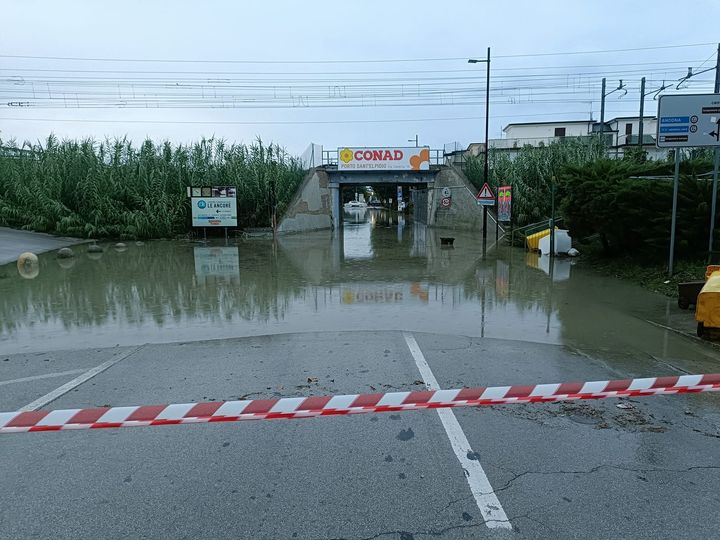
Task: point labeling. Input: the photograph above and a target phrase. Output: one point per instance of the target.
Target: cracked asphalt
(575, 470)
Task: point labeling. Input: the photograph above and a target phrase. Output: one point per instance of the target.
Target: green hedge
(629, 208)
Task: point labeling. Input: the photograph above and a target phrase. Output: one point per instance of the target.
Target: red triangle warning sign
(485, 194)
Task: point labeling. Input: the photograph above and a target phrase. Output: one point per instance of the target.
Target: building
(621, 132)
(548, 130)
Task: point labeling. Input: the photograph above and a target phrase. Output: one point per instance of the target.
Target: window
(628, 129)
(560, 132)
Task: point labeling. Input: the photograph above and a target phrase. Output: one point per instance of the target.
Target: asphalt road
(13, 242)
(580, 470)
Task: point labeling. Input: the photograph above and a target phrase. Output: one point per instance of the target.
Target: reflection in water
(377, 273)
(217, 262)
(357, 228)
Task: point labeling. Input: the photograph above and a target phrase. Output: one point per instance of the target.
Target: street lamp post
(487, 129)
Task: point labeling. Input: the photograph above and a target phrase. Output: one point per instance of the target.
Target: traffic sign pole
(484, 223)
(690, 120)
(713, 203)
(676, 181)
(716, 162)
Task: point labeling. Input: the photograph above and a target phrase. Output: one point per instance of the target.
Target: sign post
(676, 182)
(688, 120)
(713, 204)
(485, 198)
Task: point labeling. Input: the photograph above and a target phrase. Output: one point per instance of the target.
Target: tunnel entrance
(406, 200)
(435, 192)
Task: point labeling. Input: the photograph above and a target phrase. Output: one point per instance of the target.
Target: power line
(425, 71)
(290, 122)
(605, 51)
(345, 61)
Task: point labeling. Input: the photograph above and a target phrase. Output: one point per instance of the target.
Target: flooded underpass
(379, 306)
(382, 271)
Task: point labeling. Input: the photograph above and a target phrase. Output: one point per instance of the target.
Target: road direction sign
(485, 196)
(688, 120)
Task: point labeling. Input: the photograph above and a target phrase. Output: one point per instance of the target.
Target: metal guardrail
(532, 228)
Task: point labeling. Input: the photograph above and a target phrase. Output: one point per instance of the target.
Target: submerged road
(13, 242)
(576, 470)
(380, 308)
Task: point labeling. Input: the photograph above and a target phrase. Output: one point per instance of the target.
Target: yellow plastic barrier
(710, 269)
(533, 240)
(707, 308)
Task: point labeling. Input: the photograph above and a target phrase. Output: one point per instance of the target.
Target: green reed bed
(118, 190)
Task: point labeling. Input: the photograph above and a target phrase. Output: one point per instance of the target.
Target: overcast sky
(524, 88)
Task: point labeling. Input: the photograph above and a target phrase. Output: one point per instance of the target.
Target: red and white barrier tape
(308, 407)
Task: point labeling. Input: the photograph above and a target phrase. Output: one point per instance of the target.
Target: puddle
(378, 274)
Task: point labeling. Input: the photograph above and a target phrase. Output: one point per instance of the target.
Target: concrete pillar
(431, 204)
(335, 204)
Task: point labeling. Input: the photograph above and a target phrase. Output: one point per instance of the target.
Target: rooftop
(549, 123)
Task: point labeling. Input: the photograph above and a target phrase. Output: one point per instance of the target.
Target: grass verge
(650, 275)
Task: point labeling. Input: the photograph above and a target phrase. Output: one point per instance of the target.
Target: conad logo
(348, 155)
(417, 160)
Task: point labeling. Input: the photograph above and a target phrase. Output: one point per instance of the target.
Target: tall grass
(531, 170)
(114, 189)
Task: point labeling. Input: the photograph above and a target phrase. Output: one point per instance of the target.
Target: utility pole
(487, 129)
(552, 216)
(487, 141)
(642, 110)
(487, 116)
(602, 112)
(416, 141)
(716, 162)
(602, 106)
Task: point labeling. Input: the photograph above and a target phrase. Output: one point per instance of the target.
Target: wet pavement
(14, 242)
(321, 314)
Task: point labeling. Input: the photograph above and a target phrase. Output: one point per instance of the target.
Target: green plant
(627, 204)
(530, 170)
(114, 189)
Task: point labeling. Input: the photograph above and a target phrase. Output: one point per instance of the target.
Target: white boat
(354, 204)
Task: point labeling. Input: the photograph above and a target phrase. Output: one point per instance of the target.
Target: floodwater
(379, 273)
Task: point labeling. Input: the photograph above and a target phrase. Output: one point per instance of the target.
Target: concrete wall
(311, 208)
(464, 213)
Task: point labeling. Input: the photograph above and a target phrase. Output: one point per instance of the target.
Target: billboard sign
(214, 206)
(504, 208)
(688, 120)
(384, 159)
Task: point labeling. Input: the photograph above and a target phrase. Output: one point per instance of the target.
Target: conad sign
(387, 159)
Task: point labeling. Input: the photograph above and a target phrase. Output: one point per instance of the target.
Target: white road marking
(45, 376)
(485, 498)
(77, 381)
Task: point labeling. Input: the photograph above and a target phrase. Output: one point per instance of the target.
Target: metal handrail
(533, 228)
